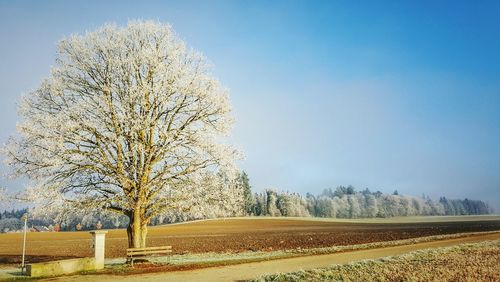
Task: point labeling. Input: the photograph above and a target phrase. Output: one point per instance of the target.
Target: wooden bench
(142, 252)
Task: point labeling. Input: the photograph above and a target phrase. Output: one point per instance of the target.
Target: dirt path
(254, 270)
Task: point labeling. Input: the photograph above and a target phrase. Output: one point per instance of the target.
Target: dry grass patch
(467, 262)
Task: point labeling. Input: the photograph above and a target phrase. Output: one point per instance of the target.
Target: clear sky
(381, 94)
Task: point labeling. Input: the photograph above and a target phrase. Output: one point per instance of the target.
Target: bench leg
(130, 260)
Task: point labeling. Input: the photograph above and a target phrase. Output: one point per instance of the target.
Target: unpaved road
(256, 269)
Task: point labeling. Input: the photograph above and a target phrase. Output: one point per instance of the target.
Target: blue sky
(381, 94)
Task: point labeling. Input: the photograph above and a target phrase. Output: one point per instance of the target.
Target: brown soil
(231, 235)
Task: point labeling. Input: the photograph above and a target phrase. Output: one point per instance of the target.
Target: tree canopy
(129, 120)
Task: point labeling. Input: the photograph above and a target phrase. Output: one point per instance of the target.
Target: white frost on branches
(129, 120)
(3, 195)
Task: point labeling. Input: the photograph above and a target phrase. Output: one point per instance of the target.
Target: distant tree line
(11, 221)
(346, 202)
(342, 202)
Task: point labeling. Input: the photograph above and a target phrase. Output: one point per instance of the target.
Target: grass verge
(466, 262)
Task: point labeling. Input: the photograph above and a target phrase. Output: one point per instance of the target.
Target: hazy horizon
(379, 95)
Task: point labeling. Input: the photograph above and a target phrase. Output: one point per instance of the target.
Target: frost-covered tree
(355, 205)
(298, 206)
(129, 120)
(342, 206)
(3, 195)
(272, 197)
(325, 207)
(222, 197)
(283, 203)
(370, 206)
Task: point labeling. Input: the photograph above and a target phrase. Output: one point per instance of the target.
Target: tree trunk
(137, 230)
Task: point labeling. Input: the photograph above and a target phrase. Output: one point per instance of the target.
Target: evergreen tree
(248, 201)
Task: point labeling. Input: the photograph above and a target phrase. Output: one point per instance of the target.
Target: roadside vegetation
(467, 262)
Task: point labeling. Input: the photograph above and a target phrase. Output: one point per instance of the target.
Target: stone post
(98, 238)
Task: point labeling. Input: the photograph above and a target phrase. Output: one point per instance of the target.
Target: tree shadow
(16, 273)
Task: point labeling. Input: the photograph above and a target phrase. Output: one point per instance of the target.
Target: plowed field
(234, 235)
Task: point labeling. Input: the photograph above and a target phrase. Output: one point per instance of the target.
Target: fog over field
(406, 97)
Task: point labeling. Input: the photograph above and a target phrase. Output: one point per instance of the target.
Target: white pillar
(98, 237)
